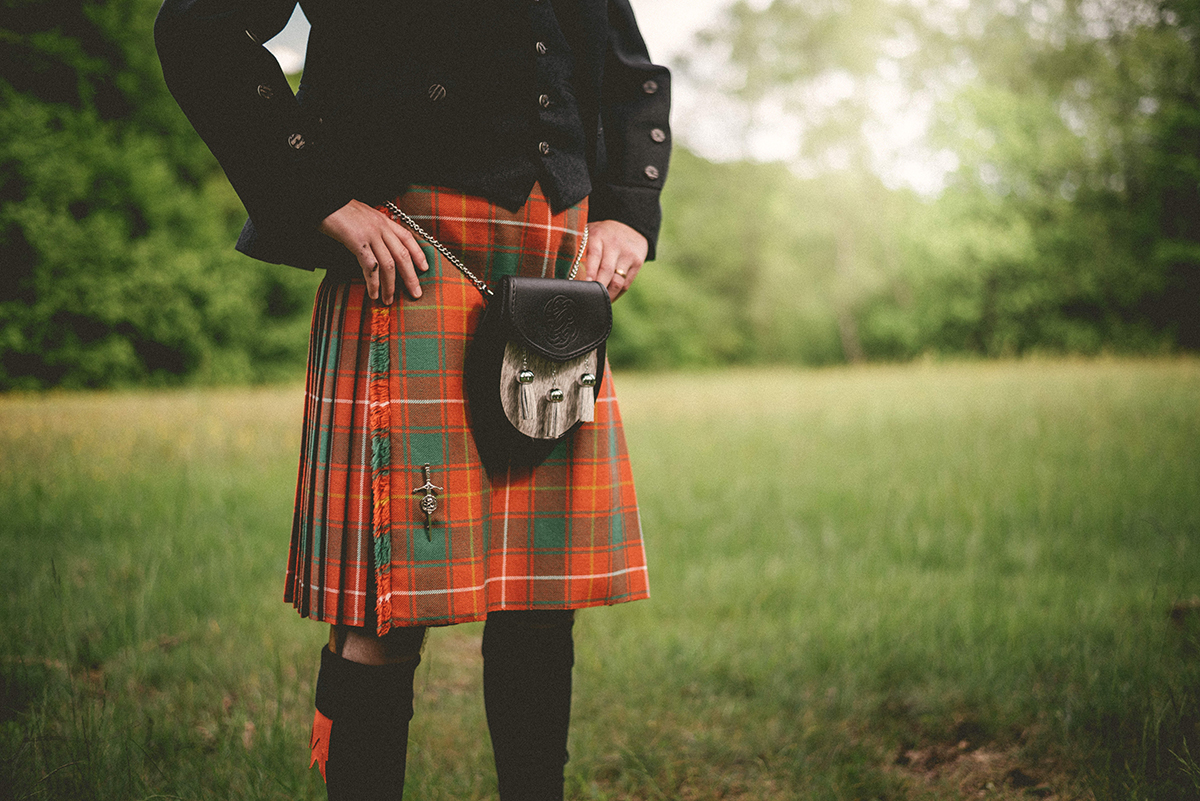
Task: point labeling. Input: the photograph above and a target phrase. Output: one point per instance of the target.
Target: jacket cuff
(637, 207)
(319, 192)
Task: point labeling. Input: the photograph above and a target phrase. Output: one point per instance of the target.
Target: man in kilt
(505, 129)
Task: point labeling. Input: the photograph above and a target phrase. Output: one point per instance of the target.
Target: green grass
(908, 582)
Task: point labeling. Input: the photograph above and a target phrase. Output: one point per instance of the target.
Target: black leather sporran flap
(556, 318)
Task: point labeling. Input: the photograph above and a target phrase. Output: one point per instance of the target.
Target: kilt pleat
(565, 534)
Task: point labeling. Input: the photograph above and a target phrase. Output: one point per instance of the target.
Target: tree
(1071, 222)
(816, 64)
(1079, 138)
(115, 223)
(755, 266)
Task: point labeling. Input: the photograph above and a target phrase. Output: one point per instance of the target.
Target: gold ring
(621, 273)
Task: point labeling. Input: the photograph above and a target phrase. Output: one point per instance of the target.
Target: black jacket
(483, 96)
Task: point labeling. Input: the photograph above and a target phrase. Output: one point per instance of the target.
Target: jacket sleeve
(236, 96)
(635, 132)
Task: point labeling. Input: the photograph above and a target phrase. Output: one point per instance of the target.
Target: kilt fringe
(379, 361)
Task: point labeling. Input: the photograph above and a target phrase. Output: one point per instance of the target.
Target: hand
(385, 249)
(615, 253)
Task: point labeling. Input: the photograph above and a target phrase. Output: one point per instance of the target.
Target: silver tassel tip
(587, 398)
(556, 398)
(525, 379)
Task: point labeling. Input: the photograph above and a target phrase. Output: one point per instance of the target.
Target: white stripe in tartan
(477, 588)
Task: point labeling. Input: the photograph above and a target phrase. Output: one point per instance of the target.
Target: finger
(626, 280)
(387, 272)
(609, 263)
(595, 252)
(410, 244)
(617, 283)
(406, 270)
(370, 270)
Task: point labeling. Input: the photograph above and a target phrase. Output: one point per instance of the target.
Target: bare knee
(364, 647)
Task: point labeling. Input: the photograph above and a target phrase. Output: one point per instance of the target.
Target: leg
(527, 661)
(364, 705)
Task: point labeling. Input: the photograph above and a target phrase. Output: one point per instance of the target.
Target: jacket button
(265, 92)
(650, 87)
(544, 148)
(651, 172)
(437, 92)
(658, 134)
(296, 141)
(544, 101)
(541, 48)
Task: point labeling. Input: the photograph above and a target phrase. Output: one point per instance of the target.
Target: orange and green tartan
(379, 406)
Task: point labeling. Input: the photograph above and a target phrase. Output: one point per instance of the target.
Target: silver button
(650, 87)
(541, 48)
(544, 101)
(265, 92)
(437, 92)
(658, 135)
(296, 141)
(651, 172)
(544, 148)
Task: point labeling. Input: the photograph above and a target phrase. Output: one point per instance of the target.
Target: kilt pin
(384, 399)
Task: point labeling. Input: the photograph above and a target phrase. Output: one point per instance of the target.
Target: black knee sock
(370, 707)
(527, 660)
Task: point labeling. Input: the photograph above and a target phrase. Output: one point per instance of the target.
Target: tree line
(116, 223)
(1070, 224)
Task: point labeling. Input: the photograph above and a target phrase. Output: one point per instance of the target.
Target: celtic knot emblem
(558, 321)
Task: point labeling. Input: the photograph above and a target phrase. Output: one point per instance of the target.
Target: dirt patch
(1187, 609)
(963, 770)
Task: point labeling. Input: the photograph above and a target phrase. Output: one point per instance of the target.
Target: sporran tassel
(525, 379)
(587, 398)
(556, 399)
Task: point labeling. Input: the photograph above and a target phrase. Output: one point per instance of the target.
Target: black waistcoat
(483, 96)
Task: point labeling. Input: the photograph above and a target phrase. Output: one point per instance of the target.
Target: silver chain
(483, 288)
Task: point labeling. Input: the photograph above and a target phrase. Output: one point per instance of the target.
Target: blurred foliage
(116, 223)
(1078, 192)
(1071, 223)
(756, 265)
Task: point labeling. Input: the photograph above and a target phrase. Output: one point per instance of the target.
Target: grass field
(929, 581)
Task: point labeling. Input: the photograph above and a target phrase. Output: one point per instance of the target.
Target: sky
(715, 128)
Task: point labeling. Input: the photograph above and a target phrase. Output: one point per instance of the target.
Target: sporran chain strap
(479, 283)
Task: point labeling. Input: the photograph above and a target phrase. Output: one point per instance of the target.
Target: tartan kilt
(384, 397)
